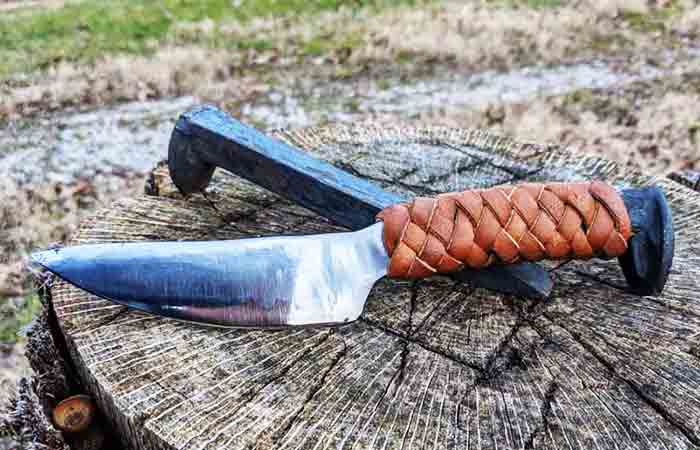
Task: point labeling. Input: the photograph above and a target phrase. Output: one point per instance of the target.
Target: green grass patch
(643, 22)
(255, 44)
(32, 39)
(536, 4)
(609, 42)
(653, 21)
(315, 46)
(11, 326)
(581, 97)
(325, 43)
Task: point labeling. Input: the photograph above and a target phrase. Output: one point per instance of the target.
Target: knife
(205, 138)
(325, 279)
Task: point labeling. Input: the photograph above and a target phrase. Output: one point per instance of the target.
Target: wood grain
(431, 364)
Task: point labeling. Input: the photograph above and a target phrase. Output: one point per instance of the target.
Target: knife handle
(506, 225)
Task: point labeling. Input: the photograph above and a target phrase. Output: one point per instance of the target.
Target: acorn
(74, 414)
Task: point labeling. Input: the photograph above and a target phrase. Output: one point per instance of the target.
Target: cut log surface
(432, 364)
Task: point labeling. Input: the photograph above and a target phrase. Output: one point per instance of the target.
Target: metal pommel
(647, 262)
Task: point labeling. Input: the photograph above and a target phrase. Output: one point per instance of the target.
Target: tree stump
(430, 364)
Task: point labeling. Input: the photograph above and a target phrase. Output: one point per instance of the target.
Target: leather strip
(504, 224)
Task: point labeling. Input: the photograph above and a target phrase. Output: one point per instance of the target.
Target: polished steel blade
(264, 282)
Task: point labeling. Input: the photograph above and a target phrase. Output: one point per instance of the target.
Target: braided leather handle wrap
(504, 224)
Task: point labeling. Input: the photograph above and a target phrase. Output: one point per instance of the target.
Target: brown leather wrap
(504, 224)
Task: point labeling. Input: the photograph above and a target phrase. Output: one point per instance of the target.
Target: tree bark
(430, 364)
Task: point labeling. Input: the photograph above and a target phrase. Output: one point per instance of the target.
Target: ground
(89, 90)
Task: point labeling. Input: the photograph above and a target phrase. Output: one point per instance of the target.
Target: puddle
(132, 137)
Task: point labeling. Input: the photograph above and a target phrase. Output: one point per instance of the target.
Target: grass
(319, 45)
(537, 4)
(653, 21)
(32, 39)
(580, 96)
(10, 327)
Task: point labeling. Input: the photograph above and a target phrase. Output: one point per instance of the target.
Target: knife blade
(260, 282)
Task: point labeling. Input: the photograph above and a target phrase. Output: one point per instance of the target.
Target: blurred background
(90, 90)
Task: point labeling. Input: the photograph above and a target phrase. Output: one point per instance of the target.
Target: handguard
(504, 224)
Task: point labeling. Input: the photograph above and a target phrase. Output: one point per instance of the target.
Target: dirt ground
(635, 99)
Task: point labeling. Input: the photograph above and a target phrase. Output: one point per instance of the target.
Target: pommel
(647, 263)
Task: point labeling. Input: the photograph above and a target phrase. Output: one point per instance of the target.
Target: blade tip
(44, 258)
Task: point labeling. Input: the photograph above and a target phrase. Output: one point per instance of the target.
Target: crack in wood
(639, 391)
(171, 390)
(424, 188)
(414, 295)
(233, 220)
(501, 361)
(283, 372)
(212, 204)
(601, 280)
(250, 394)
(424, 345)
(524, 176)
(506, 356)
(439, 178)
(515, 173)
(491, 369)
(503, 358)
(109, 319)
(416, 190)
(279, 436)
(626, 291)
(406, 350)
(560, 266)
(170, 225)
(545, 413)
(458, 285)
(393, 380)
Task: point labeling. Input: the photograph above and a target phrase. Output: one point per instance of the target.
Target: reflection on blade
(265, 282)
